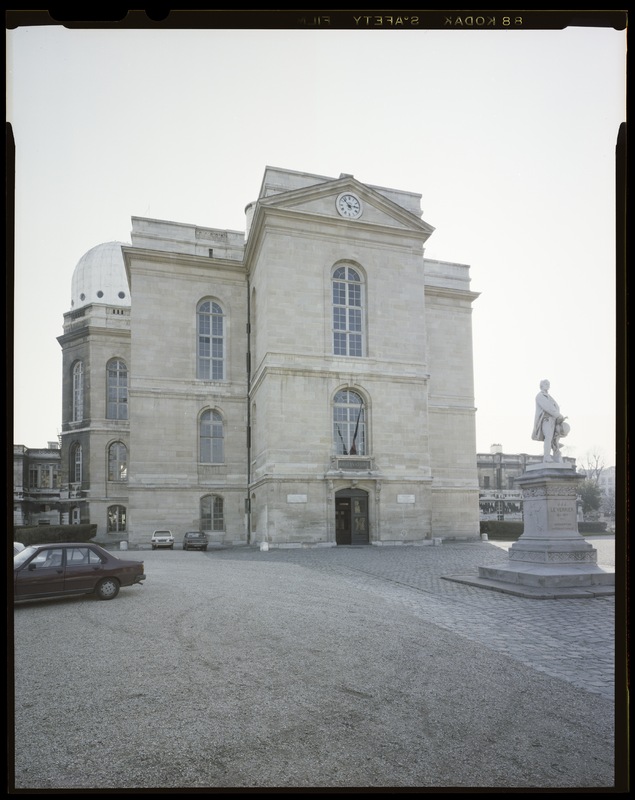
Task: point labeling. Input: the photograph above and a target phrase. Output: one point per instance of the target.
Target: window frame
(349, 423)
(77, 463)
(210, 366)
(116, 465)
(214, 520)
(348, 302)
(119, 515)
(214, 443)
(117, 383)
(77, 409)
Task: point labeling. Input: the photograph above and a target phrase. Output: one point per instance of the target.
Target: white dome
(100, 277)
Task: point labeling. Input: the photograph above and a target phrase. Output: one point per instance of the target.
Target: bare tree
(593, 466)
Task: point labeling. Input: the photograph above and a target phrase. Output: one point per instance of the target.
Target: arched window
(116, 519)
(212, 516)
(117, 390)
(348, 312)
(117, 462)
(349, 425)
(78, 392)
(210, 364)
(211, 438)
(76, 463)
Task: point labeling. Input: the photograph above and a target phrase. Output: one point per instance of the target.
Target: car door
(83, 569)
(42, 575)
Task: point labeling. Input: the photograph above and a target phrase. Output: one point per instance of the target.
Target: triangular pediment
(326, 198)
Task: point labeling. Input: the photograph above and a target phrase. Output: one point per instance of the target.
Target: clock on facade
(348, 205)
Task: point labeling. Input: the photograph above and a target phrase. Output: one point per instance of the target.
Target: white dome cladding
(100, 277)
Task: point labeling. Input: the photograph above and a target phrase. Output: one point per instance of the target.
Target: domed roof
(100, 277)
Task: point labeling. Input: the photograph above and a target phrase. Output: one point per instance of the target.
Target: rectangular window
(45, 477)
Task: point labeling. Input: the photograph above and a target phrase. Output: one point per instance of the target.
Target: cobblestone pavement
(318, 667)
(571, 639)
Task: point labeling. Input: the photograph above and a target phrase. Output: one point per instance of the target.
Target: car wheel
(184, 547)
(205, 549)
(107, 589)
(154, 547)
(171, 547)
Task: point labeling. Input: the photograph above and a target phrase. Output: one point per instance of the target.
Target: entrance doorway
(351, 517)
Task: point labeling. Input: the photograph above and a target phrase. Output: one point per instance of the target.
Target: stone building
(37, 496)
(306, 382)
(499, 497)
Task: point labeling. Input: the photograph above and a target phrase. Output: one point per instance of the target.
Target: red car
(59, 570)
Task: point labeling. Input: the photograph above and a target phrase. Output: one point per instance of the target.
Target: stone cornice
(159, 258)
(357, 374)
(453, 294)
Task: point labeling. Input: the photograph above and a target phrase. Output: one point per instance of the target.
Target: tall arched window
(117, 462)
(117, 390)
(212, 514)
(348, 316)
(116, 519)
(76, 463)
(349, 425)
(211, 438)
(78, 392)
(210, 364)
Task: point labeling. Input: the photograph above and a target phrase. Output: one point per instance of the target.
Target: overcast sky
(509, 136)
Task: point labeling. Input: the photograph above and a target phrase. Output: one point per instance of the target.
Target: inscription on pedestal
(562, 516)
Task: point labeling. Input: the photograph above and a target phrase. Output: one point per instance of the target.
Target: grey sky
(508, 135)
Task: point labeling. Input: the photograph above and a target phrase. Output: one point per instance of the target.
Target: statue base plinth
(551, 559)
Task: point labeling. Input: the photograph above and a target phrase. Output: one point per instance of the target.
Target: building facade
(37, 495)
(306, 382)
(499, 499)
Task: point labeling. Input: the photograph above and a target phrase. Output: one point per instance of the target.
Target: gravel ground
(232, 669)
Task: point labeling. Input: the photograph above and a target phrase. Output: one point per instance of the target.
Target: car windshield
(162, 533)
(24, 555)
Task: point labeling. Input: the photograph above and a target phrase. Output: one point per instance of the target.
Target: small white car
(162, 539)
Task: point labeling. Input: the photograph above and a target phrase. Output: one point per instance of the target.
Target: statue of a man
(549, 424)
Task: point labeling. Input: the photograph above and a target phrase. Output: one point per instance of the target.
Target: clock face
(349, 206)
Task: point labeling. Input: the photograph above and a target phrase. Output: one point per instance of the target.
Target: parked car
(162, 539)
(17, 547)
(57, 570)
(195, 540)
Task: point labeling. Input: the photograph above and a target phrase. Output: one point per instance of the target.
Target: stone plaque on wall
(405, 498)
(297, 498)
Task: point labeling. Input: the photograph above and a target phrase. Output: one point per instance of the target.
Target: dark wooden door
(343, 520)
(351, 517)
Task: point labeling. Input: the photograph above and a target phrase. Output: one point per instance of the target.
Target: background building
(497, 471)
(37, 499)
(307, 382)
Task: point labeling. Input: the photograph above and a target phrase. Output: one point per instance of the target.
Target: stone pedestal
(551, 554)
(551, 559)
